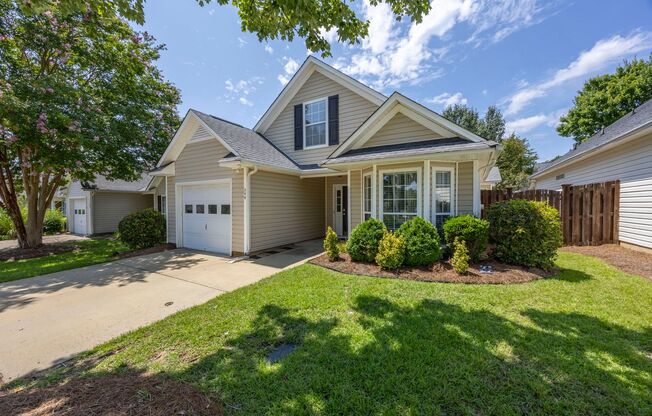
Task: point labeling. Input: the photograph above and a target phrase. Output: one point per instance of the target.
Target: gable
(401, 129)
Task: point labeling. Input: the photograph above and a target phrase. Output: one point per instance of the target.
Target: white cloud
(330, 35)
(283, 79)
(242, 89)
(269, 49)
(381, 26)
(527, 124)
(495, 20)
(604, 53)
(245, 101)
(445, 99)
(289, 68)
(241, 42)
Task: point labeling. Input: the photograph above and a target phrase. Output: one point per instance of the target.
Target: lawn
(577, 343)
(89, 252)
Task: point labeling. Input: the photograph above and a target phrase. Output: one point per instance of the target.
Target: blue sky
(528, 57)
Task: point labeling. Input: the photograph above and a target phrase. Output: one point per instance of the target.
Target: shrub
(421, 242)
(142, 229)
(6, 225)
(473, 231)
(332, 245)
(391, 251)
(525, 232)
(54, 222)
(460, 260)
(364, 240)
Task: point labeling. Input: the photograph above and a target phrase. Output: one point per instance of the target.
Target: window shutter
(333, 120)
(298, 127)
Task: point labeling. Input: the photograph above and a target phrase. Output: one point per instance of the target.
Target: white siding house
(622, 151)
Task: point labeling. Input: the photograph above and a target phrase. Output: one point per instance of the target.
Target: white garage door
(79, 216)
(206, 212)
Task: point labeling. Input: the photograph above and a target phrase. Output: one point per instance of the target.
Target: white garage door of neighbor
(207, 217)
(79, 216)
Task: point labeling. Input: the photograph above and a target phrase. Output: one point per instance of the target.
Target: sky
(528, 57)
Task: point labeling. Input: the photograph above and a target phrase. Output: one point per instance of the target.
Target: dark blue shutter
(333, 120)
(298, 127)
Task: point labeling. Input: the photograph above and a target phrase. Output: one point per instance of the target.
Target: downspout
(247, 208)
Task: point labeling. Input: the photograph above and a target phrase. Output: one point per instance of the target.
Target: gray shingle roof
(102, 184)
(409, 149)
(641, 116)
(246, 143)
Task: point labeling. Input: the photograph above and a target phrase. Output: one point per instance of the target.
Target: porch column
(476, 189)
(348, 203)
(374, 193)
(426, 190)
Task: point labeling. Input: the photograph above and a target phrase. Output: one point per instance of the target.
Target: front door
(340, 209)
(79, 216)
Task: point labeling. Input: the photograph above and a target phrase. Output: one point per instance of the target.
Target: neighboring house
(329, 151)
(492, 179)
(620, 151)
(97, 207)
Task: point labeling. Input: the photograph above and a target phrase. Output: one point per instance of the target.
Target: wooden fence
(589, 213)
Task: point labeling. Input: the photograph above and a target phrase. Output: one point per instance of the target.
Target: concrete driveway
(46, 320)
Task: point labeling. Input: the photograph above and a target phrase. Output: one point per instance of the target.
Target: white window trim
(364, 195)
(303, 122)
(400, 170)
(433, 203)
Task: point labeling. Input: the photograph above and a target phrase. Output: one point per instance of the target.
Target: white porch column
(348, 203)
(167, 220)
(476, 189)
(374, 191)
(426, 191)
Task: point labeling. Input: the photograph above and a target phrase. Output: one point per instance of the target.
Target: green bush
(525, 232)
(460, 260)
(422, 245)
(332, 245)
(54, 222)
(391, 251)
(474, 232)
(364, 240)
(6, 225)
(142, 229)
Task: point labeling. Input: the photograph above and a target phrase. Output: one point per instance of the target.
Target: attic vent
(200, 134)
(560, 177)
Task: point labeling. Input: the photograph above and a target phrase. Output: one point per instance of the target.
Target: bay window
(400, 197)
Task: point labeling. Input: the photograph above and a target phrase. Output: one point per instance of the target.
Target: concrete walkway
(47, 319)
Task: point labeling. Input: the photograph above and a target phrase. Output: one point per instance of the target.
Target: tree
(269, 19)
(516, 162)
(606, 98)
(492, 126)
(79, 96)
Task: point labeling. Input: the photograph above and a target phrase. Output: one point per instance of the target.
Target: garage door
(206, 217)
(79, 216)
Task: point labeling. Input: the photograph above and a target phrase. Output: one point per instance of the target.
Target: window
(212, 209)
(315, 127)
(338, 200)
(225, 209)
(160, 203)
(366, 192)
(400, 198)
(199, 208)
(560, 177)
(189, 209)
(443, 194)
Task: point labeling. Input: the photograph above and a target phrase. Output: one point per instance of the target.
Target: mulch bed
(30, 253)
(440, 272)
(114, 394)
(142, 252)
(625, 259)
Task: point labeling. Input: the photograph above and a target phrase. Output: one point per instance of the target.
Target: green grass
(89, 252)
(579, 343)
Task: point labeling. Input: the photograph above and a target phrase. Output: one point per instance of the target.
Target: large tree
(79, 96)
(491, 126)
(606, 98)
(269, 19)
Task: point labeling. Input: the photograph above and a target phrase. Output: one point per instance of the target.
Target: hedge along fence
(589, 213)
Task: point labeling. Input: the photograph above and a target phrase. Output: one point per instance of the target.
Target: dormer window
(315, 123)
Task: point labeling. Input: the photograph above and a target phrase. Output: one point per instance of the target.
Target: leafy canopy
(606, 98)
(269, 19)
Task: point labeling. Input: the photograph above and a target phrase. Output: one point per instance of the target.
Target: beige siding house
(621, 151)
(329, 151)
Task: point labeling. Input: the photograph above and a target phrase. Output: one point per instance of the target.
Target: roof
(409, 149)
(640, 117)
(494, 175)
(103, 184)
(245, 143)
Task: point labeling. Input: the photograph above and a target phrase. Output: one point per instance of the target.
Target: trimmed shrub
(473, 231)
(142, 229)
(391, 251)
(525, 232)
(364, 240)
(421, 242)
(332, 245)
(460, 260)
(54, 222)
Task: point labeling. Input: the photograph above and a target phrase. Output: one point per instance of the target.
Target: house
(329, 151)
(97, 207)
(493, 178)
(621, 151)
